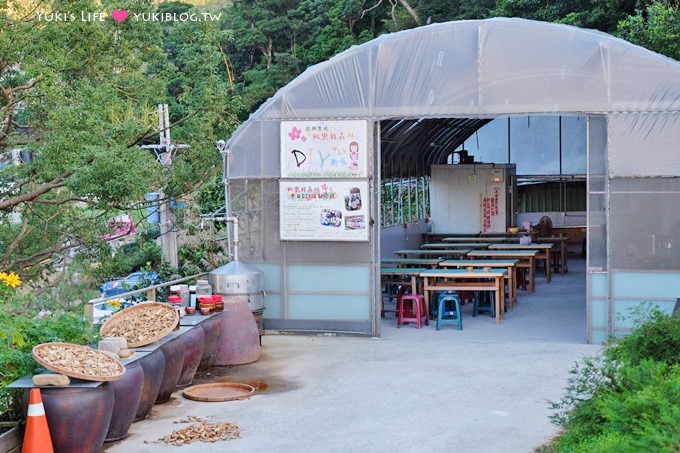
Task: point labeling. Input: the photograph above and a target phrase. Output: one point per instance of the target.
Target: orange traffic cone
(37, 436)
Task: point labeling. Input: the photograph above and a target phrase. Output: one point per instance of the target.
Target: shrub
(22, 327)
(128, 259)
(640, 411)
(628, 398)
(197, 258)
(657, 339)
(645, 402)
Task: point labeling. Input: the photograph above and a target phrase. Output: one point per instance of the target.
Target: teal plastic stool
(448, 310)
(434, 306)
(484, 303)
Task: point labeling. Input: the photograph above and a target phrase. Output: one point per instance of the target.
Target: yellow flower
(10, 279)
(115, 303)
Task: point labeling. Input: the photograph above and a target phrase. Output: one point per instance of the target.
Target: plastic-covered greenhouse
(321, 145)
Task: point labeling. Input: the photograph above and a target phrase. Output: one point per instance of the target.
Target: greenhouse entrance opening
(450, 185)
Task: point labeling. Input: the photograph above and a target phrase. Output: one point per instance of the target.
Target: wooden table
(450, 245)
(559, 246)
(462, 280)
(562, 242)
(476, 239)
(543, 248)
(448, 253)
(527, 260)
(508, 264)
(506, 234)
(411, 262)
(439, 237)
(409, 275)
(575, 234)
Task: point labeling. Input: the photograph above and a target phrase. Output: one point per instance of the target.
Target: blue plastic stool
(450, 314)
(434, 305)
(485, 302)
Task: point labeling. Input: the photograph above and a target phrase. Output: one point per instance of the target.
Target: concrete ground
(486, 388)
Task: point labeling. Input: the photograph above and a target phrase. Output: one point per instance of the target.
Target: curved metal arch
(422, 142)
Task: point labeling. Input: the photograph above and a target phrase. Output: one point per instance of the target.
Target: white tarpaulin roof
(483, 69)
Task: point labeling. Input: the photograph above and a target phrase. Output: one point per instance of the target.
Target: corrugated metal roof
(408, 147)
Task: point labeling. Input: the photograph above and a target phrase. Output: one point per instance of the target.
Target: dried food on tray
(141, 324)
(78, 361)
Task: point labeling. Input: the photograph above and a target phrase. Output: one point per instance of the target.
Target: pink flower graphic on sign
(295, 134)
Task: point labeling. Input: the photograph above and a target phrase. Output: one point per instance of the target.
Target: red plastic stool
(411, 307)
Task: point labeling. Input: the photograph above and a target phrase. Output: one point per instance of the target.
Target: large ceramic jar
(127, 393)
(78, 417)
(194, 344)
(153, 365)
(173, 351)
(239, 338)
(211, 330)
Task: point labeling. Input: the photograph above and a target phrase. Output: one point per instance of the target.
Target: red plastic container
(205, 299)
(175, 300)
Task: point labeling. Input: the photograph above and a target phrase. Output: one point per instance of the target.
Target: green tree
(325, 28)
(656, 28)
(443, 10)
(275, 40)
(202, 102)
(261, 48)
(74, 96)
(602, 15)
(81, 96)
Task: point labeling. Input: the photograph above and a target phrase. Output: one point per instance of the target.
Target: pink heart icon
(119, 15)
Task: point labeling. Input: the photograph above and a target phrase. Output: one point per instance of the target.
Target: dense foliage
(277, 39)
(24, 323)
(627, 399)
(81, 96)
(656, 27)
(129, 258)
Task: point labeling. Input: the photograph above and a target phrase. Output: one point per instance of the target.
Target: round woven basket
(76, 361)
(141, 324)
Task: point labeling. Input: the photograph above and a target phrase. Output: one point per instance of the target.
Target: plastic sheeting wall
(597, 278)
(482, 68)
(308, 285)
(642, 239)
(485, 69)
(644, 144)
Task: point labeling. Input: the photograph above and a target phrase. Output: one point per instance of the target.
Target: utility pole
(165, 151)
